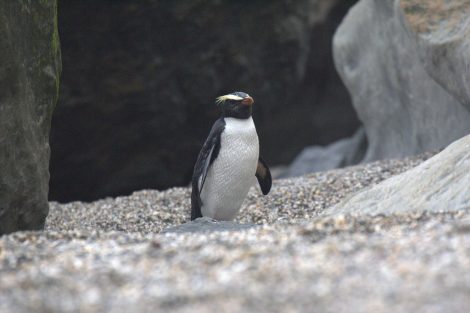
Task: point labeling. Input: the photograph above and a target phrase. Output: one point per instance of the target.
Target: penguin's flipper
(264, 176)
(209, 152)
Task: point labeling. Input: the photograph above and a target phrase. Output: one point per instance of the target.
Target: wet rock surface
(112, 255)
(29, 85)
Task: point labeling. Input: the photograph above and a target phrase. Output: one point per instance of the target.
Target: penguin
(228, 161)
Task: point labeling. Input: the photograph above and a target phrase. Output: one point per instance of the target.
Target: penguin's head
(236, 104)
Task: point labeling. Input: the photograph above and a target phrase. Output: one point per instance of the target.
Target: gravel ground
(108, 256)
(290, 200)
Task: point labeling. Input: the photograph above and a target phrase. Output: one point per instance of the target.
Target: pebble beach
(283, 254)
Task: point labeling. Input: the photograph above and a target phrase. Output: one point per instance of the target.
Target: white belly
(233, 172)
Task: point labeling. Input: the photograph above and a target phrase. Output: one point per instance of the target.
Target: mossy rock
(29, 87)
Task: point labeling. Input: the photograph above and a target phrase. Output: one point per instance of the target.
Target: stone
(207, 224)
(344, 152)
(406, 64)
(441, 183)
(29, 84)
(442, 33)
(140, 80)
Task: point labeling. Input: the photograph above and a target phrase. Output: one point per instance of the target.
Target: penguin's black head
(236, 104)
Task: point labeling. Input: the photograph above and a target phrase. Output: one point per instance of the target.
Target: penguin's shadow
(207, 224)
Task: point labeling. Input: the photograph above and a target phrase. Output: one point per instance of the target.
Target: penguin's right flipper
(209, 152)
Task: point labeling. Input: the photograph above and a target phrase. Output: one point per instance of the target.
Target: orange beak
(248, 101)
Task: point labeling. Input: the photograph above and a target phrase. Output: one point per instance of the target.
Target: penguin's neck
(240, 113)
(240, 128)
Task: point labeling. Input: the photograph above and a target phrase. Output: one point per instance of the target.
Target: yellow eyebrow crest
(222, 99)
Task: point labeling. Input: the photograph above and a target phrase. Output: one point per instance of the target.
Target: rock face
(344, 152)
(406, 65)
(140, 78)
(442, 34)
(29, 83)
(441, 183)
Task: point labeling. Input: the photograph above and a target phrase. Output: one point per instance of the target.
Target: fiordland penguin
(228, 162)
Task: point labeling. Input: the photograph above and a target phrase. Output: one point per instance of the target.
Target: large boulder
(140, 79)
(442, 34)
(441, 183)
(406, 65)
(29, 84)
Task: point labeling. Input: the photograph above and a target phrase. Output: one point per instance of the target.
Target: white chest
(239, 136)
(233, 172)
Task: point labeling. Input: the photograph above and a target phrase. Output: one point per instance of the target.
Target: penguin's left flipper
(207, 155)
(264, 176)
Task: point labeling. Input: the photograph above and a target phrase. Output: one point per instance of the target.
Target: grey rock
(29, 84)
(344, 152)
(206, 224)
(140, 79)
(407, 84)
(442, 34)
(442, 183)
